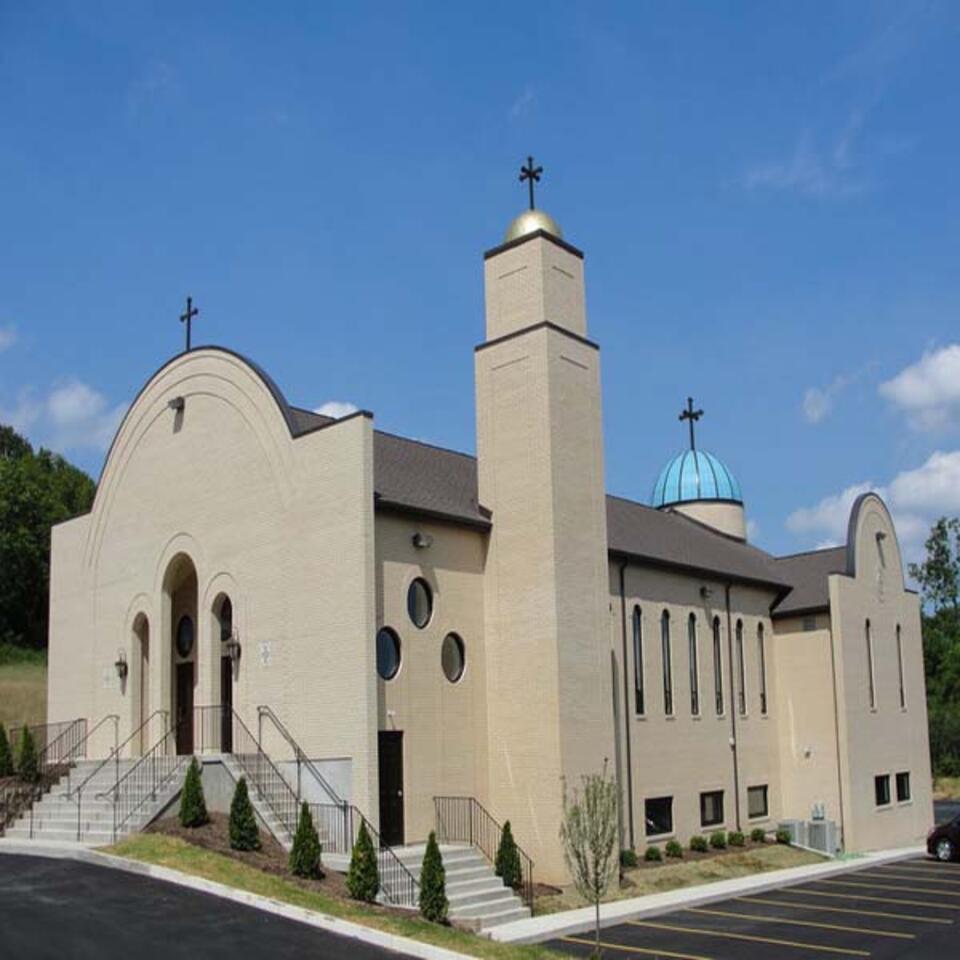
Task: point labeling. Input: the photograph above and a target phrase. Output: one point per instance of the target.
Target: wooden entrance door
(184, 708)
(391, 787)
(226, 705)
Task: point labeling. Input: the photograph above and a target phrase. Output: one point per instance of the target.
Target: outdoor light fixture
(881, 535)
(422, 540)
(233, 647)
(121, 667)
(705, 593)
(176, 404)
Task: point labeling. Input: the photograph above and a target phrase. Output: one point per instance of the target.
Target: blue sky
(766, 194)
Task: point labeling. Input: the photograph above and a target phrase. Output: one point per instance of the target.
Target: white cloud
(817, 404)
(336, 409)
(8, 337)
(753, 530)
(928, 391)
(827, 519)
(524, 103)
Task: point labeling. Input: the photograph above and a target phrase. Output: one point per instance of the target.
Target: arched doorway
(181, 588)
(223, 611)
(141, 680)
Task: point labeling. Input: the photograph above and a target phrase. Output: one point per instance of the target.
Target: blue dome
(695, 475)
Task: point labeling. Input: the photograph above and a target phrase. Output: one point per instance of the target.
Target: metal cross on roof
(693, 416)
(532, 174)
(188, 316)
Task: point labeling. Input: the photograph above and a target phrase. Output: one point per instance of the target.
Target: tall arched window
(717, 668)
(665, 656)
(871, 679)
(903, 691)
(762, 667)
(741, 672)
(694, 665)
(639, 704)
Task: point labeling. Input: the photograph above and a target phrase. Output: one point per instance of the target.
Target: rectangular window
(757, 804)
(903, 787)
(711, 808)
(762, 663)
(638, 661)
(741, 672)
(717, 668)
(658, 812)
(694, 666)
(903, 693)
(667, 665)
(870, 676)
(881, 789)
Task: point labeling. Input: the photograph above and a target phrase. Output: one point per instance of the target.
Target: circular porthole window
(388, 653)
(452, 657)
(185, 636)
(420, 602)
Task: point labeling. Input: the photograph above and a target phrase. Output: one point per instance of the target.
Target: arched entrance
(180, 585)
(141, 679)
(223, 611)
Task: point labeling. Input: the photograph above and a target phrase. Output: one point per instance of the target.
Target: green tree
(305, 853)
(433, 883)
(363, 877)
(193, 807)
(244, 832)
(28, 764)
(6, 754)
(507, 864)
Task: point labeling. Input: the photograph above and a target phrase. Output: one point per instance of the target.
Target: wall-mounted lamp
(234, 648)
(176, 404)
(706, 593)
(120, 665)
(881, 535)
(422, 540)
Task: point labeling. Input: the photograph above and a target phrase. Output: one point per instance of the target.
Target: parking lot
(907, 909)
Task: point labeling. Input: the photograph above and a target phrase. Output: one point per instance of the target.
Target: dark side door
(184, 708)
(391, 787)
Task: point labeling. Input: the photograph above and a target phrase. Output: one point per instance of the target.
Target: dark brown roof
(808, 573)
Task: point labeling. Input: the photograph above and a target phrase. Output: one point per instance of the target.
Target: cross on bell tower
(693, 416)
(531, 174)
(187, 318)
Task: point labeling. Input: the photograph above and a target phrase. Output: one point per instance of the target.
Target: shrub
(363, 877)
(628, 858)
(305, 853)
(28, 766)
(674, 850)
(783, 836)
(736, 839)
(6, 754)
(244, 832)
(507, 864)
(653, 855)
(718, 840)
(433, 884)
(758, 835)
(698, 844)
(193, 808)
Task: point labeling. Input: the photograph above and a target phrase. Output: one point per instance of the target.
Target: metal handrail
(301, 757)
(115, 717)
(466, 820)
(56, 745)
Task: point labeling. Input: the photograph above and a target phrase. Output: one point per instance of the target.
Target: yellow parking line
(638, 950)
(673, 928)
(917, 878)
(928, 866)
(803, 923)
(858, 913)
(886, 886)
(851, 896)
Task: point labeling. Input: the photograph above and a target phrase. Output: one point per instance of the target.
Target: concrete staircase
(478, 898)
(273, 797)
(54, 817)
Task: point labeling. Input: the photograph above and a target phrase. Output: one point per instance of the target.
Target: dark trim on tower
(544, 324)
(510, 244)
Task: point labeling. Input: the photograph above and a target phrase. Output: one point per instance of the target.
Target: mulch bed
(690, 856)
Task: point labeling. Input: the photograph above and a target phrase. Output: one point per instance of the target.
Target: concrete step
(476, 897)
(487, 920)
(493, 906)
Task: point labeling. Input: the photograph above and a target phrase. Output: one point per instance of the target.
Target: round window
(420, 602)
(452, 657)
(185, 636)
(388, 653)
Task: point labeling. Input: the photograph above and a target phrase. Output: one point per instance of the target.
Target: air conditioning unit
(797, 830)
(822, 835)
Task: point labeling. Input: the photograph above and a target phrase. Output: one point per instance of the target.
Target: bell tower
(540, 456)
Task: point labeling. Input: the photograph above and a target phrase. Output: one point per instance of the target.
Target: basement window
(711, 808)
(881, 790)
(658, 813)
(758, 804)
(903, 787)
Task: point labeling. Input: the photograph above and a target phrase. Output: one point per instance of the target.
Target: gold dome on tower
(530, 221)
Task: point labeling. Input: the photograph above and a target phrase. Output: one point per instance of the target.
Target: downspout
(734, 705)
(626, 698)
(836, 729)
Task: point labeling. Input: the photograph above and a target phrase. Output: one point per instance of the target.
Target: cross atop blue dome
(695, 475)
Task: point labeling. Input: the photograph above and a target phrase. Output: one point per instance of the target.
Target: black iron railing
(60, 752)
(465, 820)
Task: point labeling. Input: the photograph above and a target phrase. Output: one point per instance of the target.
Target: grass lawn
(178, 855)
(672, 876)
(946, 788)
(23, 686)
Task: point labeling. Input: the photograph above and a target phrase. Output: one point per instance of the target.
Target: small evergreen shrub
(28, 765)
(736, 839)
(507, 864)
(783, 836)
(673, 850)
(305, 853)
(758, 835)
(628, 858)
(653, 855)
(244, 832)
(193, 807)
(433, 884)
(363, 877)
(698, 844)
(718, 840)
(6, 754)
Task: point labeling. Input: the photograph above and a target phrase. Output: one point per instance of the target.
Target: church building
(429, 624)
